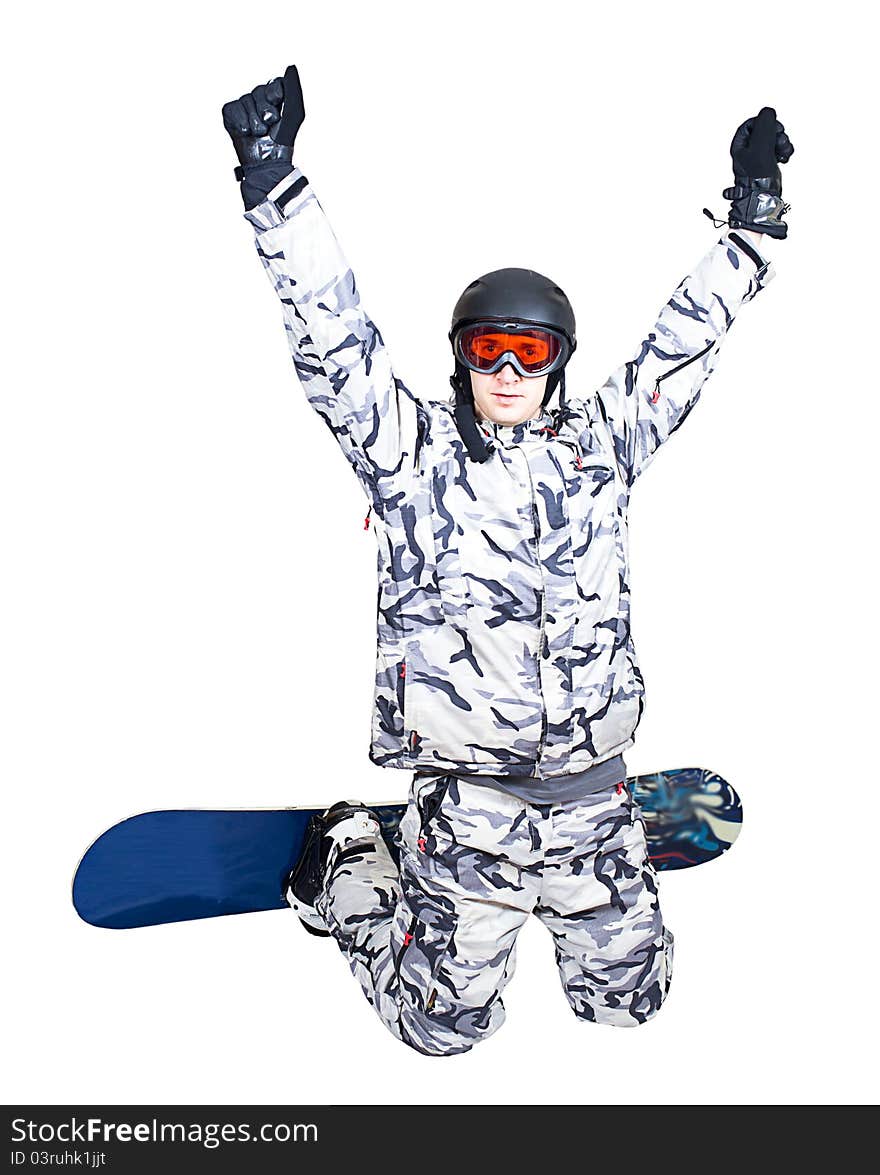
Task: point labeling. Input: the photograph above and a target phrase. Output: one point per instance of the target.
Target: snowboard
(178, 865)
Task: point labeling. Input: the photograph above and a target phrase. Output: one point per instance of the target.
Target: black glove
(758, 147)
(263, 134)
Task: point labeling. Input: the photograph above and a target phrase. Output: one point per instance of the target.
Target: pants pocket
(426, 930)
(428, 805)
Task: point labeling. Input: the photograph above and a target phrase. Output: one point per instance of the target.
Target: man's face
(506, 397)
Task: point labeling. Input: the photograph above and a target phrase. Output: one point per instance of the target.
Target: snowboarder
(506, 677)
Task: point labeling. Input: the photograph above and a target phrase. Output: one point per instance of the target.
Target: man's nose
(508, 374)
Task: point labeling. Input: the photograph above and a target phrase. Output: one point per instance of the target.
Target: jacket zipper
(541, 635)
(542, 738)
(693, 358)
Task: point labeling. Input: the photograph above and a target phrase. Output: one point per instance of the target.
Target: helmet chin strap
(465, 419)
(557, 379)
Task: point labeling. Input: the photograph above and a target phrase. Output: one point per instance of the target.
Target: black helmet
(519, 295)
(508, 296)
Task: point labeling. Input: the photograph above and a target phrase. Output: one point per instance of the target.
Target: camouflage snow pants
(433, 945)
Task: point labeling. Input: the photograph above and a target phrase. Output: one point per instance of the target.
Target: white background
(189, 594)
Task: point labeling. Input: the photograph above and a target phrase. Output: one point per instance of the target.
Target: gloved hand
(263, 126)
(758, 147)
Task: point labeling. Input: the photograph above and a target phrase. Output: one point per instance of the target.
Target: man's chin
(513, 412)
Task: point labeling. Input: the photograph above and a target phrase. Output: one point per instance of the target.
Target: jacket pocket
(451, 584)
(597, 546)
(595, 475)
(454, 596)
(388, 732)
(679, 367)
(593, 489)
(590, 491)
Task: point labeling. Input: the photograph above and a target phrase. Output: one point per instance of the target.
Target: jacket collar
(514, 434)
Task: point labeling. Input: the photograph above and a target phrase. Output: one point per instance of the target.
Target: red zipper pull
(656, 395)
(367, 519)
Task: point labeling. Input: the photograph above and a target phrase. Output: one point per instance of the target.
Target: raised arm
(650, 396)
(337, 351)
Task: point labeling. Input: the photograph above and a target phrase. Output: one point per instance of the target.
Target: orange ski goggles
(487, 346)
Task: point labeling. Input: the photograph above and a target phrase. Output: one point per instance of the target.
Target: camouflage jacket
(503, 629)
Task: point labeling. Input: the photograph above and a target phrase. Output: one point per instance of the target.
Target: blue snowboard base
(179, 865)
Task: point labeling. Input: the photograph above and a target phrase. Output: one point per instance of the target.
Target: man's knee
(628, 1011)
(448, 1031)
(633, 1000)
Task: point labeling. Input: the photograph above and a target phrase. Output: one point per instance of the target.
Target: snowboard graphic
(178, 865)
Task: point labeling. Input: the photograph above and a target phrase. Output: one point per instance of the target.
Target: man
(506, 676)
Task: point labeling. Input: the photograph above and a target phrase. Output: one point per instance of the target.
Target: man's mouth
(506, 395)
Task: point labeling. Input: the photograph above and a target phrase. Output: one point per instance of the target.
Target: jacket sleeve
(648, 398)
(337, 351)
